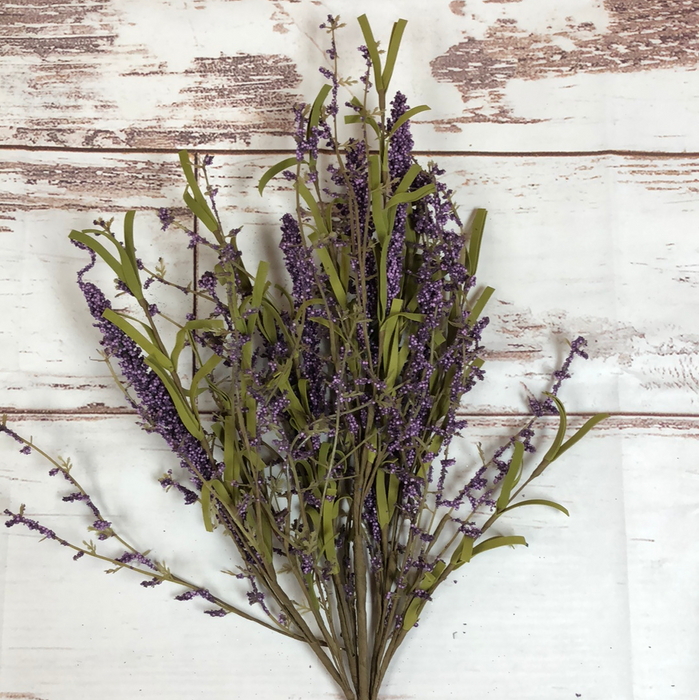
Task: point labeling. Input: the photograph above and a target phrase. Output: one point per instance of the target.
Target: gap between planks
(108, 411)
(668, 155)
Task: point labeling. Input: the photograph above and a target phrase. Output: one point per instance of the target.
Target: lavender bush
(325, 459)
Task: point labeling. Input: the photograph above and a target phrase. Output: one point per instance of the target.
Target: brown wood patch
(641, 35)
(60, 54)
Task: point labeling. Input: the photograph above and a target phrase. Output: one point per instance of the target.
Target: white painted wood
(601, 606)
(598, 246)
(48, 345)
(501, 75)
(590, 607)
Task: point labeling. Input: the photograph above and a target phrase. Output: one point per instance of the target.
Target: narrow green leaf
(183, 411)
(260, 285)
(407, 180)
(378, 212)
(128, 237)
(206, 506)
(511, 477)
(231, 459)
(312, 206)
(100, 250)
(538, 502)
(206, 369)
(128, 257)
(392, 496)
(392, 53)
(478, 307)
(500, 541)
(251, 415)
(331, 271)
(303, 395)
(463, 553)
(328, 512)
(274, 171)
(417, 604)
(373, 51)
(382, 513)
(560, 435)
(196, 203)
(138, 338)
(314, 117)
(407, 116)
(580, 434)
(201, 211)
(221, 492)
(359, 118)
(474, 249)
(403, 197)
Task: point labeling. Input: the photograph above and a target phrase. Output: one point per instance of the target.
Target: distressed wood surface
(583, 237)
(574, 245)
(501, 75)
(588, 608)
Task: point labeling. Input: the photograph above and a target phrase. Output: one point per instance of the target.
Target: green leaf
(183, 411)
(406, 116)
(197, 203)
(373, 51)
(200, 211)
(328, 512)
(393, 486)
(478, 307)
(206, 369)
(378, 213)
(128, 237)
(500, 541)
(511, 477)
(221, 492)
(417, 604)
(560, 435)
(403, 197)
(538, 502)
(392, 53)
(463, 553)
(407, 180)
(138, 338)
(251, 415)
(260, 285)
(580, 434)
(314, 118)
(382, 511)
(206, 506)
(231, 459)
(331, 271)
(133, 281)
(275, 170)
(184, 333)
(474, 248)
(303, 395)
(312, 205)
(358, 118)
(99, 249)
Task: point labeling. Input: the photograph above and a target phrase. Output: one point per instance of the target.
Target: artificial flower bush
(324, 456)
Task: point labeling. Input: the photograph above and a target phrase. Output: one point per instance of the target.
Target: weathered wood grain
(48, 345)
(532, 75)
(589, 607)
(573, 246)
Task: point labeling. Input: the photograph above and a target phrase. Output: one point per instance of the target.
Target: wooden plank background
(573, 123)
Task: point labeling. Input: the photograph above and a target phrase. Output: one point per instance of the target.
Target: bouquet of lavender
(324, 456)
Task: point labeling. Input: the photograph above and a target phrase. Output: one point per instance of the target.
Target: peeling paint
(56, 27)
(641, 35)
